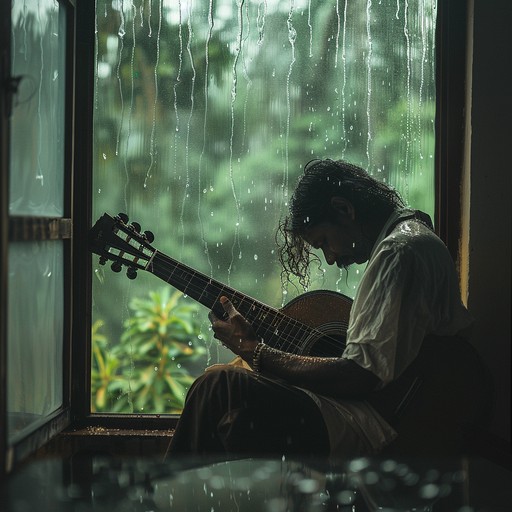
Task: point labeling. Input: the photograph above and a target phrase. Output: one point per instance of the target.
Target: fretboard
(269, 323)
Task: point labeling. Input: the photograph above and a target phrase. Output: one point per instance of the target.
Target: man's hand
(236, 333)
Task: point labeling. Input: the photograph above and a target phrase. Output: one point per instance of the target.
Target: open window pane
(35, 334)
(205, 114)
(37, 123)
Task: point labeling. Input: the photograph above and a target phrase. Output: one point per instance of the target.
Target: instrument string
(291, 333)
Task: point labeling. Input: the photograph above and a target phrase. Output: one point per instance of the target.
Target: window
(205, 113)
(38, 209)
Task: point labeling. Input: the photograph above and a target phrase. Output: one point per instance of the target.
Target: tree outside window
(205, 114)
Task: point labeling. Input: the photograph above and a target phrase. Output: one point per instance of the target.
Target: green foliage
(147, 371)
(104, 369)
(200, 135)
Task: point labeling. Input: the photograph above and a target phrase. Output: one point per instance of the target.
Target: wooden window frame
(35, 228)
(451, 44)
(449, 131)
(74, 228)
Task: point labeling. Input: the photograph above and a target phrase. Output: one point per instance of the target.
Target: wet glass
(36, 189)
(205, 115)
(35, 334)
(37, 122)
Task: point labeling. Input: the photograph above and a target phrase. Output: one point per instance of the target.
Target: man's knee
(219, 378)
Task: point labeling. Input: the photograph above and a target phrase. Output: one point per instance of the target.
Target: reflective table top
(94, 483)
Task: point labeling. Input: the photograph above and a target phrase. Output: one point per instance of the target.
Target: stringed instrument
(314, 323)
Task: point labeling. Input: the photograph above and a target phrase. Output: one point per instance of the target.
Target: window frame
(5, 30)
(74, 228)
(450, 82)
(451, 44)
(35, 228)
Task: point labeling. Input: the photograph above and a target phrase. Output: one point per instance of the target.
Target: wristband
(256, 357)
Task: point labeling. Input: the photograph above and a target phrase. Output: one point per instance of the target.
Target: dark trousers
(236, 411)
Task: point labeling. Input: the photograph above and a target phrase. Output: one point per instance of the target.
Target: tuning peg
(102, 260)
(148, 235)
(131, 273)
(135, 226)
(116, 266)
(123, 217)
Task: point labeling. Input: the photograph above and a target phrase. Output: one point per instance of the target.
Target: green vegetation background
(204, 119)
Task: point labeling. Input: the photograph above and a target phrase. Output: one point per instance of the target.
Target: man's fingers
(228, 307)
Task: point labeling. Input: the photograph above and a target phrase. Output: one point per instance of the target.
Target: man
(322, 405)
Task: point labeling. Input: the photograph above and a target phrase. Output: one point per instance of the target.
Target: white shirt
(409, 290)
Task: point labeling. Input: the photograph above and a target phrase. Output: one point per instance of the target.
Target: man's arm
(331, 376)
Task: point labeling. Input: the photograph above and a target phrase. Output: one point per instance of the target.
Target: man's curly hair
(310, 205)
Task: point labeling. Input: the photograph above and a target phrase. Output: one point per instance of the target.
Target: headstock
(113, 239)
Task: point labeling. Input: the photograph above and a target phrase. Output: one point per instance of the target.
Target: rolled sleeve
(387, 311)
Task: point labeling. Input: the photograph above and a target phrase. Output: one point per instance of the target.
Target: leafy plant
(103, 370)
(148, 370)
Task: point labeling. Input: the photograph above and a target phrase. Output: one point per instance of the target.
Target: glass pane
(37, 123)
(205, 114)
(35, 333)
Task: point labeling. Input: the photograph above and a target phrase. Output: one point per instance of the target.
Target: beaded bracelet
(256, 357)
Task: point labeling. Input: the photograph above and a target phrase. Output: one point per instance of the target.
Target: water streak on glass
(120, 35)
(150, 12)
(369, 83)
(338, 27)
(200, 190)
(292, 36)
(96, 45)
(175, 87)
(234, 83)
(39, 172)
(260, 21)
(186, 193)
(132, 137)
(155, 74)
(409, 100)
(424, 47)
(247, 78)
(344, 83)
(310, 26)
